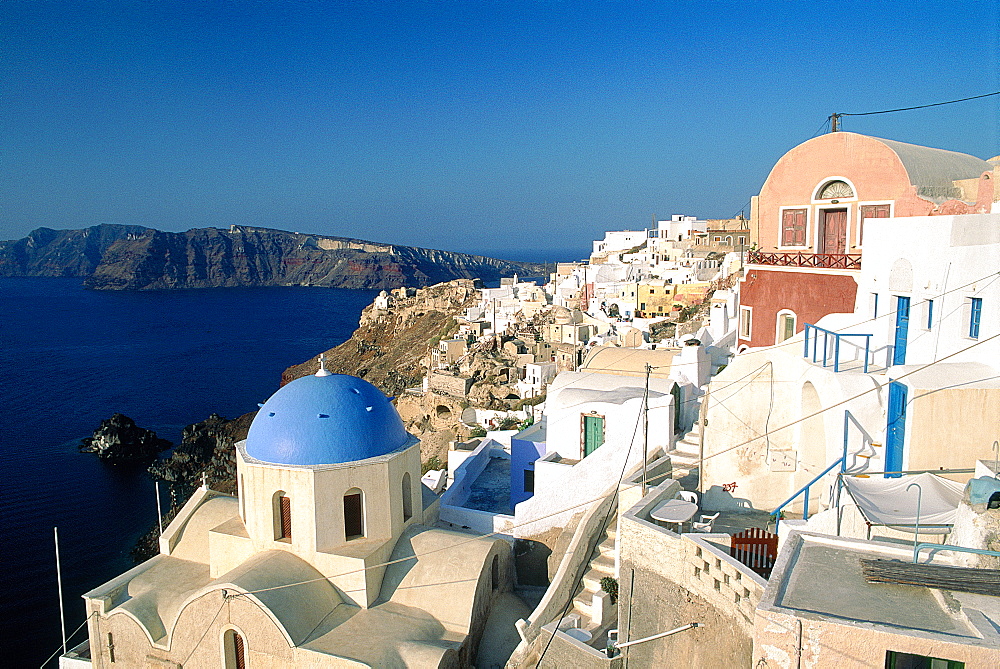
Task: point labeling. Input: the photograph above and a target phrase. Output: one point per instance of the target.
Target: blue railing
(837, 336)
(934, 548)
(804, 490)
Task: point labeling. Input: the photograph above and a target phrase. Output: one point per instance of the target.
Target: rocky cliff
(114, 257)
(391, 349)
(47, 252)
(119, 257)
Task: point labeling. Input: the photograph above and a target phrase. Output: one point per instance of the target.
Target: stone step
(604, 562)
(678, 458)
(592, 579)
(606, 549)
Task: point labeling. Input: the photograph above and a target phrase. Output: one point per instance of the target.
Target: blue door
(902, 325)
(895, 432)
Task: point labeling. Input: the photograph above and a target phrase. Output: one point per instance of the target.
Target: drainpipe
(702, 417)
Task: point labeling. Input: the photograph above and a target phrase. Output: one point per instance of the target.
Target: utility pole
(702, 418)
(645, 427)
(835, 122)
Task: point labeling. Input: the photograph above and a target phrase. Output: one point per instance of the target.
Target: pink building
(808, 222)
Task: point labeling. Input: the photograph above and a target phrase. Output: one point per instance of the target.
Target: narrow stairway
(684, 455)
(602, 564)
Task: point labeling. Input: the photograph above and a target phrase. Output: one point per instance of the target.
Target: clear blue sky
(461, 124)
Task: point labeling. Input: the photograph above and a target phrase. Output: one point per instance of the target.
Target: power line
(935, 104)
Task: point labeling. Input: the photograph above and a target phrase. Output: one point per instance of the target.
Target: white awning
(887, 501)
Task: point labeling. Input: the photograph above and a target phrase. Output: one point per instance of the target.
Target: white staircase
(591, 606)
(684, 456)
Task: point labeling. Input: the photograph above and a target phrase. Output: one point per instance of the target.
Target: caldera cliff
(114, 257)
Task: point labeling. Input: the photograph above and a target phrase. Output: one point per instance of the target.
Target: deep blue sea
(69, 358)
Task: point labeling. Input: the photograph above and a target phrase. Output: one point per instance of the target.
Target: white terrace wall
(760, 393)
(668, 580)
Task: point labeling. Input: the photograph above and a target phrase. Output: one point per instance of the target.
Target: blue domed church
(328, 555)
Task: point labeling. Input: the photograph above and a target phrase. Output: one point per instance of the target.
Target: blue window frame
(930, 314)
(975, 315)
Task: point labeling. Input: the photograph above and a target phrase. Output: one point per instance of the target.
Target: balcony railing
(820, 260)
(829, 350)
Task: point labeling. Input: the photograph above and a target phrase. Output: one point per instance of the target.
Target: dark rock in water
(206, 447)
(120, 440)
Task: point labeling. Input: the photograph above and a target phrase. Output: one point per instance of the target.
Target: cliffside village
(757, 442)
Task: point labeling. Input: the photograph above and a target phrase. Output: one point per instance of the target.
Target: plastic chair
(706, 523)
(688, 496)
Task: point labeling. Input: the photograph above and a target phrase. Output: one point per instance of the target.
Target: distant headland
(129, 257)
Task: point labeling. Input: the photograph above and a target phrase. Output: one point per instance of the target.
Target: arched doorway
(811, 451)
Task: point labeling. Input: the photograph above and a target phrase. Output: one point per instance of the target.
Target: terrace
(798, 259)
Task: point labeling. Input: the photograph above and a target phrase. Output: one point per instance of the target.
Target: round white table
(675, 511)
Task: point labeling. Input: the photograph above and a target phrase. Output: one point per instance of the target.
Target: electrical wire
(604, 526)
(935, 104)
(70, 636)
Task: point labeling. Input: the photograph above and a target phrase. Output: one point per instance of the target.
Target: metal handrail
(945, 547)
(804, 489)
(836, 344)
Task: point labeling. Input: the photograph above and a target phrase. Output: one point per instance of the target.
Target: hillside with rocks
(117, 257)
(391, 349)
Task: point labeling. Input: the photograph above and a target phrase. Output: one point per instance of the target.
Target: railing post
(805, 353)
(868, 340)
(826, 345)
(836, 353)
(805, 504)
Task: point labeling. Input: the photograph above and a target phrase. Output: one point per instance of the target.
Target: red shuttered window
(793, 227)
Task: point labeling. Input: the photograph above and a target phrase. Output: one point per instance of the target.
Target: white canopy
(885, 501)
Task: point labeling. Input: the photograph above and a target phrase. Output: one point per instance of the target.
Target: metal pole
(645, 427)
(702, 417)
(916, 526)
(682, 628)
(62, 613)
(159, 516)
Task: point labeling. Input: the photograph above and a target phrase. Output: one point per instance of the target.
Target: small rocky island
(118, 440)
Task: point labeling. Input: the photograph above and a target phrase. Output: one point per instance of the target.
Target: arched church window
(354, 514)
(234, 649)
(282, 512)
(407, 498)
(836, 189)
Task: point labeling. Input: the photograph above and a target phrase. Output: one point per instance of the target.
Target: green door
(593, 433)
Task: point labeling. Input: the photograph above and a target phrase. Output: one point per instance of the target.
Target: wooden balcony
(818, 260)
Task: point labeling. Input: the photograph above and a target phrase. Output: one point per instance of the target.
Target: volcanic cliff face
(117, 257)
(209, 257)
(47, 252)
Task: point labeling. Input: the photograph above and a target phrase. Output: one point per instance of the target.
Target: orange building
(807, 224)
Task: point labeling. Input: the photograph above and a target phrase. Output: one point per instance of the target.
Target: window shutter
(238, 647)
(286, 518)
(793, 227)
